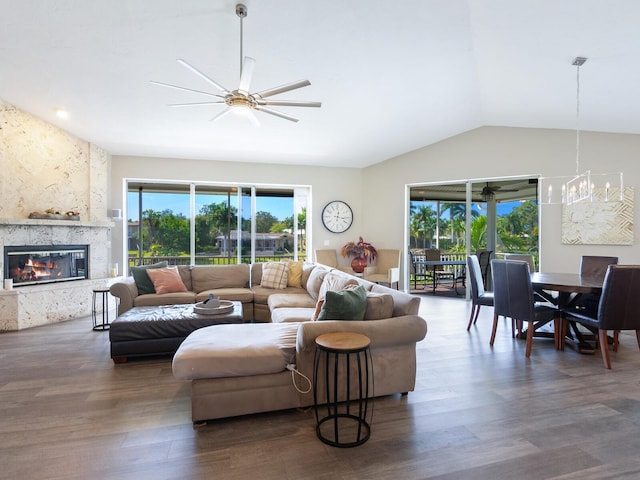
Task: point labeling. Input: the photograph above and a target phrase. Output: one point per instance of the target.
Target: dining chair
(386, 269)
(513, 298)
(593, 267)
(618, 309)
(525, 257)
(478, 295)
(596, 266)
(438, 271)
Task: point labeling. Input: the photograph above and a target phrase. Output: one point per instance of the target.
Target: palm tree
(423, 224)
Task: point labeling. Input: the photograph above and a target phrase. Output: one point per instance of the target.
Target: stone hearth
(33, 305)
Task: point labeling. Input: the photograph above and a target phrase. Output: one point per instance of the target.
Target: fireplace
(36, 264)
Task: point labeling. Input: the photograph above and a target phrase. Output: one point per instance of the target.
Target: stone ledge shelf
(57, 223)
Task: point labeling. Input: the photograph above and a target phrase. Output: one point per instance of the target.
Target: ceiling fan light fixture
(241, 100)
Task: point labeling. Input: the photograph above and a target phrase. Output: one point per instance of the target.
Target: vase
(358, 264)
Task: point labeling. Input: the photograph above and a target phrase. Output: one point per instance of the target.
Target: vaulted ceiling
(392, 76)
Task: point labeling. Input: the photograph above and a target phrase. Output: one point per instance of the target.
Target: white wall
(326, 184)
(377, 193)
(498, 152)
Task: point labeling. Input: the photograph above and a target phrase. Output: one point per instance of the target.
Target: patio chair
(478, 295)
(438, 272)
(386, 269)
(484, 258)
(513, 298)
(618, 309)
(417, 271)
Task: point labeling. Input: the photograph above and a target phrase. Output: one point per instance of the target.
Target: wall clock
(337, 216)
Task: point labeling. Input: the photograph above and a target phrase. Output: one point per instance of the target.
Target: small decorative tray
(226, 306)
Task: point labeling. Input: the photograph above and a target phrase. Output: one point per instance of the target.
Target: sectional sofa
(267, 365)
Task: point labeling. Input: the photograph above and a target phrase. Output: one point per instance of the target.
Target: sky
(281, 208)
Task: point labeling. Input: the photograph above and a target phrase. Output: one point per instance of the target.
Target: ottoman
(159, 330)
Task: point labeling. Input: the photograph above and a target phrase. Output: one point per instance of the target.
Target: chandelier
(585, 186)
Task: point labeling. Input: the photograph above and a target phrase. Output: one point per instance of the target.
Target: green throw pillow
(143, 282)
(349, 304)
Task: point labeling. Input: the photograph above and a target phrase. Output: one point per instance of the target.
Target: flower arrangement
(359, 249)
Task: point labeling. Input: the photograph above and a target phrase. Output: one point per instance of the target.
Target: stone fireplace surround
(33, 305)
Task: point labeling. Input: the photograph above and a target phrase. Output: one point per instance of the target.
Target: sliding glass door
(214, 224)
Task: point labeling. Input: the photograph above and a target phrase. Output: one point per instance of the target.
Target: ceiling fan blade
(253, 118)
(195, 104)
(276, 113)
(285, 103)
(283, 88)
(223, 113)
(185, 89)
(202, 75)
(247, 72)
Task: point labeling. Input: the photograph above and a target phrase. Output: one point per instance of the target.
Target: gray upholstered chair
(478, 295)
(593, 267)
(596, 266)
(513, 298)
(618, 309)
(386, 269)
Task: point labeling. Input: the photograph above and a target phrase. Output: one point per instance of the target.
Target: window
(214, 224)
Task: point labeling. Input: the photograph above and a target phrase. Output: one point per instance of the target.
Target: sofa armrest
(126, 290)
(382, 333)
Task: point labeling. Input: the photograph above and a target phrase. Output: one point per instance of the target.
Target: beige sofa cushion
(283, 300)
(243, 295)
(334, 282)
(285, 315)
(314, 282)
(243, 349)
(221, 276)
(379, 306)
(152, 299)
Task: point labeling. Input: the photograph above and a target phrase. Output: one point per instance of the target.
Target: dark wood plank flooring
(66, 412)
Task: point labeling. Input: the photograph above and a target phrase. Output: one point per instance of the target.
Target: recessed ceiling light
(61, 113)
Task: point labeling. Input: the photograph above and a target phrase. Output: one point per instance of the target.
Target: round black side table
(104, 293)
(347, 422)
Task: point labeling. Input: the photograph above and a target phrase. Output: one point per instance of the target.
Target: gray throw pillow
(143, 282)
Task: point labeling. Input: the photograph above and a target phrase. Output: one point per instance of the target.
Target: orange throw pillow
(166, 280)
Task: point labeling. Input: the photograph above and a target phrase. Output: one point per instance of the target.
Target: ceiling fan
(241, 100)
(490, 190)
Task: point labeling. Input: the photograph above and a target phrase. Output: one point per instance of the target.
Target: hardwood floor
(66, 412)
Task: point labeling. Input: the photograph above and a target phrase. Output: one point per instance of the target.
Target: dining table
(433, 264)
(567, 287)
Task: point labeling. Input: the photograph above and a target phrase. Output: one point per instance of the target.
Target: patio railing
(135, 261)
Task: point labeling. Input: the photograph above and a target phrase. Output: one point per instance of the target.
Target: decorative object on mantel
(362, 252)
(53, 214)
(585, 186)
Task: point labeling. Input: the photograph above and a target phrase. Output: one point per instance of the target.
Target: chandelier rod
(578, 62)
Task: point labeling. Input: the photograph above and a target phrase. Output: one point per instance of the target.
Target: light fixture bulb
(60, 113)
